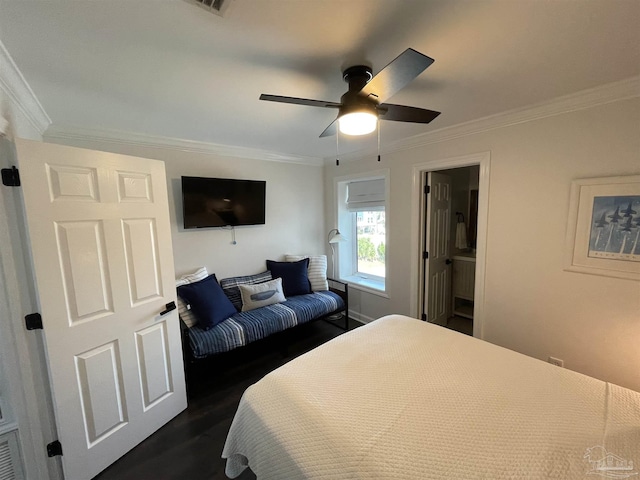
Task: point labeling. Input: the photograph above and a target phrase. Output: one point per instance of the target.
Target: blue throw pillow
(295, 280)
(208, 302)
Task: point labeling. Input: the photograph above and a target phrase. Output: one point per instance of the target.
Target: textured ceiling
(169, 68)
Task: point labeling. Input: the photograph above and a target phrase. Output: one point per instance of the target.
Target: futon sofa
(218, 317)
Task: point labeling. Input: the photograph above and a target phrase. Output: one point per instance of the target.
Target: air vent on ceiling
(214, 6)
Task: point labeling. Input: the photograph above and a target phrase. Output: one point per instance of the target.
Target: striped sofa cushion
(246, 327)
(317, 271)
(184, 310)
(230, 286)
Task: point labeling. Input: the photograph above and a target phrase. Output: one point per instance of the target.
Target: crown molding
(13, 83)
(70, 132)
(19, 91)
(608, 93)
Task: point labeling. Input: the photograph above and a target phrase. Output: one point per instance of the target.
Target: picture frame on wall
(603, 231)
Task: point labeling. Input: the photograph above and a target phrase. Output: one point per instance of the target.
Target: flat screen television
(222, 202)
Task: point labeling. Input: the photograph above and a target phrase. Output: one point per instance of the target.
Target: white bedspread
(402, 399)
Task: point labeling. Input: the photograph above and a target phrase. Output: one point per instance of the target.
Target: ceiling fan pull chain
(337, 149)
(379, 125)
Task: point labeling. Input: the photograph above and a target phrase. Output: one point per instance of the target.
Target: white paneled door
(438, 236)
(101, 244)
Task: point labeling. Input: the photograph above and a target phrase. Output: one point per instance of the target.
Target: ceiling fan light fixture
(363, 104)
(358, 123)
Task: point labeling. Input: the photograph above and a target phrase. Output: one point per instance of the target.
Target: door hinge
(33, 321)
(11, 177)
(425, 255)
(423, 317)
(427, 189)
(54, 449)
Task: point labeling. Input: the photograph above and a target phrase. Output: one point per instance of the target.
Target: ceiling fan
(362, 105)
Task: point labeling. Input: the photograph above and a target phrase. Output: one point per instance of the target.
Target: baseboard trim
(359, 317)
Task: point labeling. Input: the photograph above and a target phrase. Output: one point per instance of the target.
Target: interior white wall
(531, 304)
(294, 210)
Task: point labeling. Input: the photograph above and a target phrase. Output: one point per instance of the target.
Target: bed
(403, 399)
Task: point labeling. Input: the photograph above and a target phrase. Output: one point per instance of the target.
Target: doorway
(450, 222)
(450, 216)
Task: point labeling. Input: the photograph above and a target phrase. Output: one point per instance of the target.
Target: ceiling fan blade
(299, 101)
(332, 129)
(398, 74)
(401, 113)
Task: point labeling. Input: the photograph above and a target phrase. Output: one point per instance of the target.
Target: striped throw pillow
(317, 271)
(184, 310)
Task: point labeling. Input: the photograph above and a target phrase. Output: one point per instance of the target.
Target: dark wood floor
(460, 324)
(190, 445)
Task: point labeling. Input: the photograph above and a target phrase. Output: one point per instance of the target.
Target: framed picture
(603, 233)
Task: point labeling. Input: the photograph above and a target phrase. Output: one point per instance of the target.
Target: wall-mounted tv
(222, 202)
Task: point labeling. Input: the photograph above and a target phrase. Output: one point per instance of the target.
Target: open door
(438, 263)
(101, 246)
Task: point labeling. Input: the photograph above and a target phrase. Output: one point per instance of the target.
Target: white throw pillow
(261, 294)
(184, 309)
(317, 271)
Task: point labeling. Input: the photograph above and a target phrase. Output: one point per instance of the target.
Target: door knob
(168, 308)
(448, 261)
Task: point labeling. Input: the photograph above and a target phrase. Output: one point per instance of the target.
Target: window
(362, 220)
(370, 243)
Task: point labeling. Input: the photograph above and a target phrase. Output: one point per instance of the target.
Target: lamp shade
(335, 236)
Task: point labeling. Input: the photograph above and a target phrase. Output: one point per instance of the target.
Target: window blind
(366, 195)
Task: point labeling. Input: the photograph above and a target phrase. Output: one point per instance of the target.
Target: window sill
(375, 287)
